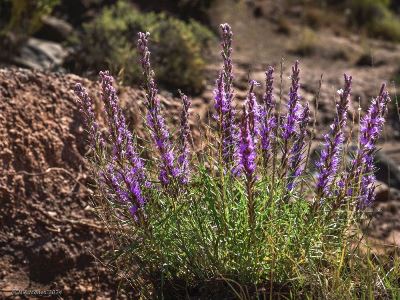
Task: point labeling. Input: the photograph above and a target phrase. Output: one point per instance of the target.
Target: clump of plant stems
(244, 210)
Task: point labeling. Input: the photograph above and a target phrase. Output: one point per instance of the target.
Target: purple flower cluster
(247, 162)
(123, 181)
(247, 147)
(123, 147)
(155, 120)
(330, 158)
(229, 131)
(183, 159)
(268, 119)
(289, 126)
(221, 105)
(249, 132)
(297, 152)
(370, 128)
(124, 173)
(253, 111)
(86, 108)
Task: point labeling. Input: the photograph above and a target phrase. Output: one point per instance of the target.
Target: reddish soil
(49, 233)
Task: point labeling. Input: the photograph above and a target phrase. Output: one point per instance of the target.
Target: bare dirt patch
(49, 233)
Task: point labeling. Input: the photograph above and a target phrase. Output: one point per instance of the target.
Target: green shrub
(388, 27)
(109, 42)
(21, 18)
(26, 14)
(183, 9)
(376, 17)
(306, 43)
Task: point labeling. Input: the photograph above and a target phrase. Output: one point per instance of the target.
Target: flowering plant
(240, 210)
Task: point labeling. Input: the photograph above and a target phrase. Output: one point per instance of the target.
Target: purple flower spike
(155, 120)
(247, 162)
(250, 126)
(268, 119)
(268, 99)
(370, 128)
(295, 167)
(86, 108)
(184, 156)
(291, 118)
(115, 182)
(228, 126)
(360, 180)
(253, 111)
(330, 158)
(247, 147)
(220, 99)
(123, 147)
(289, 126)
(124, 173)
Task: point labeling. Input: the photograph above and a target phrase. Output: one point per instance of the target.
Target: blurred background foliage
(178, 47)
(21, 18)
(378, 18)
(24, 16)
(182, 9)
(104, 32)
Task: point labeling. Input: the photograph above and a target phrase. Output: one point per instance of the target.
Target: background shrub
(306, 43)
(109, 42)
(377, 17)
(21, 18)
(183, 9)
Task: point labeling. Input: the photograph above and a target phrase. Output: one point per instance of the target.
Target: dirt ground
(49, 234)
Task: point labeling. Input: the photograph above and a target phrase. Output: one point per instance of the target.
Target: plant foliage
(244, 209)
(21, 18)
(109, 42)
